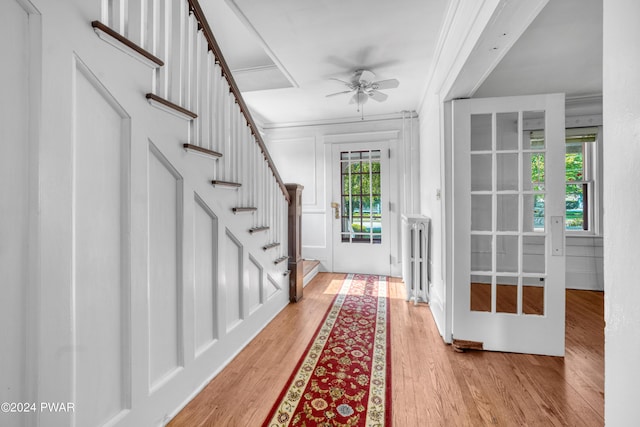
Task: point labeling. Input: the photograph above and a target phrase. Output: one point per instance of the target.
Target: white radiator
(415, 257)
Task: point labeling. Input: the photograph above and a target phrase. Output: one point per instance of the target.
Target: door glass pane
(507, 254)
(361, 238)
(481, 253)
(480, 293)
(361, 198)
(481, 132)
(481, 212)
(506, 294)
(507, 172)
(481, 172)
(533, 254)
(533, 295)
(507, 131)
(533, 214)
(533, 139)
(533, 169)
(507, 212)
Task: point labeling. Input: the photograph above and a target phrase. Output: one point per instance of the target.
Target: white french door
(360, 208)
(508, 207)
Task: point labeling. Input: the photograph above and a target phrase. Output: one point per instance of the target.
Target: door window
(507, 215)
(361, 197)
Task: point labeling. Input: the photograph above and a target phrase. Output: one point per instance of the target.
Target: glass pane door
(508, 224)
(361, 197)
(361, 228)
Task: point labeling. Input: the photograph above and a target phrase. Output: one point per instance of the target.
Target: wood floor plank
(431, 384)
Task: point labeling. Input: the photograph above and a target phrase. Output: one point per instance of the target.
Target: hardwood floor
(432, 384)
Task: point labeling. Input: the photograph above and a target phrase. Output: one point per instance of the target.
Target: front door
(360, 208)
(508, 224)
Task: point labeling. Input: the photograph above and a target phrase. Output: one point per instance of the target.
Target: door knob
(336, 208)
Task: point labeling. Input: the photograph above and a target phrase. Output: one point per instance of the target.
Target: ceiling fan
(364, 87)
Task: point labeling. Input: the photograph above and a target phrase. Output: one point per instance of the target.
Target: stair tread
(143, 54)
(196, 149)
(279, 260)
(241, 209)
(170, 105)
(230, 184)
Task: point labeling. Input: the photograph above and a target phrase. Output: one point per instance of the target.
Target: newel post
(295, 242)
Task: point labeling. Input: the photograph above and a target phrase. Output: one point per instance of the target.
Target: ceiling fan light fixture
(361, 97)
(364, 86)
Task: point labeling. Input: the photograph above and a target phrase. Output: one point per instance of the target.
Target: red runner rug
(344, 377)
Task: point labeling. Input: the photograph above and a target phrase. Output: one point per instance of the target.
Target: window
(361, 213)
(579, 177)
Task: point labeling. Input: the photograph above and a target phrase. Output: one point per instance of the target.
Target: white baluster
(209, 76)
(202, 91)
(248, 160)
(227, 134)
(136, 21)
(217, 110)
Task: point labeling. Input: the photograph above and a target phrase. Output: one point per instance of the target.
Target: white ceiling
(561, 51)
(284, 52)
(314, 40)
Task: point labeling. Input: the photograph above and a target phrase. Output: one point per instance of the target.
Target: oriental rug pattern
(344, 377)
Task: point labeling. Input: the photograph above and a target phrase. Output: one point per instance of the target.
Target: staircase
(220, 125)
(194, 254)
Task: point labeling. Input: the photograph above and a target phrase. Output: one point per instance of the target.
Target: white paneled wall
(128, 280)
(101, 283)
(19, 105)
(303, 155)
(165, 211)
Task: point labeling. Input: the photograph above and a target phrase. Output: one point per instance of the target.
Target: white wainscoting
(233, 279)
(165, 276)
(205, 235)
(101, 266)
(131, 283)
(19, 107)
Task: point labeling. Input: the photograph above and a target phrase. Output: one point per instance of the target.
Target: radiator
(415, 257)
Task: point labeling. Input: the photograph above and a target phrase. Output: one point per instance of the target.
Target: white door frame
(392, 139)
(366, 257)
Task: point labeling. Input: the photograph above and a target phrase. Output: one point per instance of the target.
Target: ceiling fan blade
(338, 93)
(366, 77)
(378, 96)
(341, 81)
(385, 84)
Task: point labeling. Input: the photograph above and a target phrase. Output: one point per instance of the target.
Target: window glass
(579, 143)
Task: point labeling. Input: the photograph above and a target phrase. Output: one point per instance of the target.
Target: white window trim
(593, 172)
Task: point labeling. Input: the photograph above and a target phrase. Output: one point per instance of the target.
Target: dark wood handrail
(194, 7)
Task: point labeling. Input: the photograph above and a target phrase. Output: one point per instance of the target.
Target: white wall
(19, 105)
(302, 155)
(431, 198)
(622, 172)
